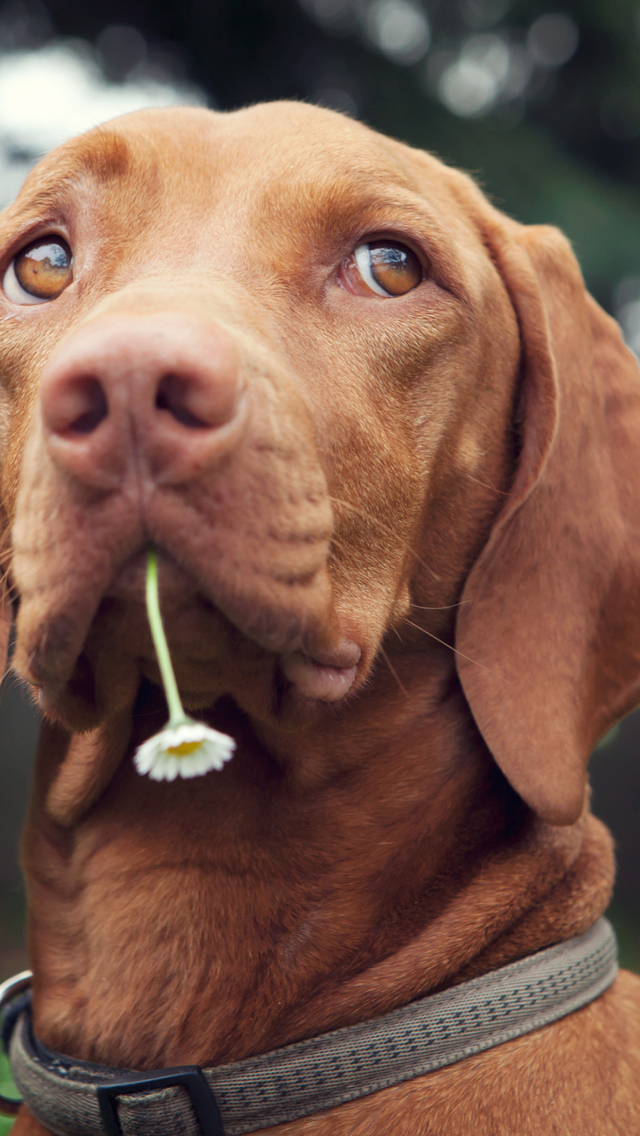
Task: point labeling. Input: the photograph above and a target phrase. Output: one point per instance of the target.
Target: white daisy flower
(185, 748)
(188, 749)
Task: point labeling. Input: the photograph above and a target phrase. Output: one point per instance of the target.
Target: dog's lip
(327, 678)
(48, 696)
(320, 674)
(129, 581)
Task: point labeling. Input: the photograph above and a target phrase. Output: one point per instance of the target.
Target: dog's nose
(162, 391)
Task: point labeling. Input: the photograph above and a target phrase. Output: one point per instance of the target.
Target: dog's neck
(383, 858)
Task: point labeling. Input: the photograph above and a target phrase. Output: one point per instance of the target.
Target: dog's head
(362, 415)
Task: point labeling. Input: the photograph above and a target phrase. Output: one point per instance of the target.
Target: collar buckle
(190, 1076)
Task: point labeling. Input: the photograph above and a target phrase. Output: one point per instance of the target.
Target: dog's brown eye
(39, 272)
(385, 267)
(44, 267)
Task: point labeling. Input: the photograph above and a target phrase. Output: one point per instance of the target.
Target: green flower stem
(176, 709)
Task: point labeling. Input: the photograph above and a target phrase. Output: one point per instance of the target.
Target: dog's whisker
(394, 672)
(450, 646)
(442, 607)
(485, 485)
(384, 528)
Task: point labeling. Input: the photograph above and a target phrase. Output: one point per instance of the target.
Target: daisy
(185, 748)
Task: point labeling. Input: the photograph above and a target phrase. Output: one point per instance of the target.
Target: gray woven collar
(74, 1098)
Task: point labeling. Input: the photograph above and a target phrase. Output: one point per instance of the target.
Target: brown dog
(389, 451)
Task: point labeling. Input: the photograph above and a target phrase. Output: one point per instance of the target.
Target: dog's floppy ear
(554, 612)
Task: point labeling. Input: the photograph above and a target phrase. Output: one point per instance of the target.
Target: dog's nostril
(74, 406)
(174, 395)
(92, 404)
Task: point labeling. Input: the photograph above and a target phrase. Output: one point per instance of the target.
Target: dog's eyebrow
(331, 211)
(329, 216)
(102, 155)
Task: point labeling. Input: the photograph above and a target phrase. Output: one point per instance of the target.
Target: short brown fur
(449, 481)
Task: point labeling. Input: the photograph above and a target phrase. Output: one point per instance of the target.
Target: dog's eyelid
(33, 231)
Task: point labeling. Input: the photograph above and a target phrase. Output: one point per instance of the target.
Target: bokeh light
(472, 84)
(50, 92)
(398, 28)
(553, 39)
(626, 303)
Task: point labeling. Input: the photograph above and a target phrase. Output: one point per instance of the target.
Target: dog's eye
(384, 267)
(39, 272)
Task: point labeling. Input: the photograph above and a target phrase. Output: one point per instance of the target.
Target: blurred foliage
(7, 1088)
(594, 108)
(626, 928)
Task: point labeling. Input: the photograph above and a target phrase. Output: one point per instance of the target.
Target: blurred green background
(541, 102)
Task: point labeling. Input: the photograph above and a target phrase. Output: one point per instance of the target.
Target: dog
(388, 450)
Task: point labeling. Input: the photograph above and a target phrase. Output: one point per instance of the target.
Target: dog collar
(76, 1098)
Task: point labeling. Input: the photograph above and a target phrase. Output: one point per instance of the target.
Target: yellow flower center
(184, 748)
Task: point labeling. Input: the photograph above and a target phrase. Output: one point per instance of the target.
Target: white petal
(148, 754)
(155, 756)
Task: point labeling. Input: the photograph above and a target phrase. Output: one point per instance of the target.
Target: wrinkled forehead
(286, 174)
